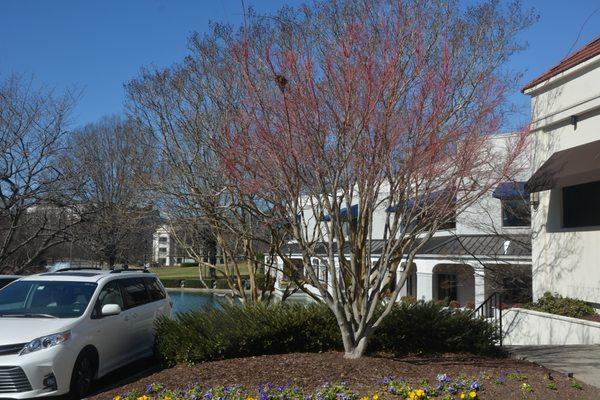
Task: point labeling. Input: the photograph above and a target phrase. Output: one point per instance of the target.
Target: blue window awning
(510, 190)
(343, 213)
(353, 212)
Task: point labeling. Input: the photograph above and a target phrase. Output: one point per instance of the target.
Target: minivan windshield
(45, 299)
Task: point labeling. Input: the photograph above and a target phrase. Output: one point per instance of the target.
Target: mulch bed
(310, 371)
(592, 317)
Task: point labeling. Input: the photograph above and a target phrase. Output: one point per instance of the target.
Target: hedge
(240, 331)
(430, 327)
(556, 304)
(235, 331)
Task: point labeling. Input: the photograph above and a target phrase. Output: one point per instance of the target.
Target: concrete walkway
(581, 361)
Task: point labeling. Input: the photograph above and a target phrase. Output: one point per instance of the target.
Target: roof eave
(563, 75)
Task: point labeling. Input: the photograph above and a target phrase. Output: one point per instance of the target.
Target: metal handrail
(491, 308)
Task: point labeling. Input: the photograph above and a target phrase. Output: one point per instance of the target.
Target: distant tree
(34, 207)
(107, 161)
(355, 110)
(188, 107)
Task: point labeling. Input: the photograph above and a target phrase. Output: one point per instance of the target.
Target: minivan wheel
(83, 376)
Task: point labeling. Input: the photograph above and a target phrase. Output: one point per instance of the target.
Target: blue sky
(96, 46)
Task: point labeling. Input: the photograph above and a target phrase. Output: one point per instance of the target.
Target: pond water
(184, 300)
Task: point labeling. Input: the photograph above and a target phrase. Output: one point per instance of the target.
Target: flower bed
(445, 388)
(304, 376)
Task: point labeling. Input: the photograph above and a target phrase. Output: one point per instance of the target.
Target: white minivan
(61, 330)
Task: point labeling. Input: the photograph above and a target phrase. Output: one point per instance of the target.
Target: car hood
(24, 330)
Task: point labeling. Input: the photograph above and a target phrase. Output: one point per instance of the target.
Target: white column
(278, 273)
(425, 279)
(399, 273)
(424, 275)
(479, 276)
(424, 286)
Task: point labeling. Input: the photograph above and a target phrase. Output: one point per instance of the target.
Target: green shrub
(432, 328)
(188, 264)
(556, 304)
(221, 283)
(236, 331)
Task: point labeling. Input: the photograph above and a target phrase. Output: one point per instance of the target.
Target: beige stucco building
(565, 184)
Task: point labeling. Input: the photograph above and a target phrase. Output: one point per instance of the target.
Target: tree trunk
(353, 347)
(356, 350)
(111, 261)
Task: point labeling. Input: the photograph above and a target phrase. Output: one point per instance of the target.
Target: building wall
(164, 249)
(533, 328)
(565, 261)
(484, 216)
(161, 246)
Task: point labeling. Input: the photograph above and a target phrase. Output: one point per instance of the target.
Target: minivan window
(155, 289)
(110, 294)
(45, 299)
(134, 292)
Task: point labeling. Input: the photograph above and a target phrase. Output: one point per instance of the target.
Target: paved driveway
(582, 361)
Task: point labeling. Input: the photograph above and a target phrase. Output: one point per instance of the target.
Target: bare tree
(34, 213)
(354, 112)
(189, 107)
(108, 160)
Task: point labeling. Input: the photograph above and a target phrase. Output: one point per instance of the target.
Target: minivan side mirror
(110, 309)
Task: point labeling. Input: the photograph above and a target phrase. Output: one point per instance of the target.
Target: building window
(162, 239)
(432, 214)
(516, 213)
(320, 269)
(346, 227)
(581, 205)
(411, 284)
(162, 249)
(449, 223)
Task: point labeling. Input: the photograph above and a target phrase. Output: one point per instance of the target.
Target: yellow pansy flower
(117, 397)
(463, 396)
(375, 396)
(144, 397)
(472, 394)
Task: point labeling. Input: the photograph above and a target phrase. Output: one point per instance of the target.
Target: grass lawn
(300, 375)
(189, 272)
